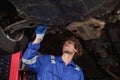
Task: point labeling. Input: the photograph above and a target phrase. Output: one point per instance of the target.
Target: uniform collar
(59, 58)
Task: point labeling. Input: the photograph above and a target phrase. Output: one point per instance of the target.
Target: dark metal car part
(62, 12)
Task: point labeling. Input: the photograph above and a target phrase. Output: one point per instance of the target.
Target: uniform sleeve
(81, 75)
(32, 60)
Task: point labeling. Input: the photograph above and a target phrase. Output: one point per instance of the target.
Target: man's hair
(77, 46)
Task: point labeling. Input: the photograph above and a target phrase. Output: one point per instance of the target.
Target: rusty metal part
(90, 29)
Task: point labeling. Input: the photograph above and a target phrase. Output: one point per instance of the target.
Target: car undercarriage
(96, 23)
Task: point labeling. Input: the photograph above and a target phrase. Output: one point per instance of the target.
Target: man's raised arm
(29, 56)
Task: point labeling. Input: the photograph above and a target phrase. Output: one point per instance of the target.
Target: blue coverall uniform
(49, 67)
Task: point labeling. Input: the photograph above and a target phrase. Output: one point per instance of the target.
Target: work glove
(40, 32)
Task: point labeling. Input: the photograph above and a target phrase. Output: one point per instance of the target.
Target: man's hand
(40, 32)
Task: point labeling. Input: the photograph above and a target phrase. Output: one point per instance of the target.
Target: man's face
(68, 47)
